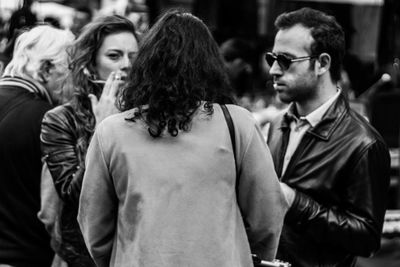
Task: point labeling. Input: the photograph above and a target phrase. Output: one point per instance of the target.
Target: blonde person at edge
(99, 62)
(159, 187)
(29, 88)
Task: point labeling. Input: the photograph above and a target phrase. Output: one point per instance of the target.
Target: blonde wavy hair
(41, 45)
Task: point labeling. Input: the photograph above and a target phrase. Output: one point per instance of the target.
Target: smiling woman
(100, 57)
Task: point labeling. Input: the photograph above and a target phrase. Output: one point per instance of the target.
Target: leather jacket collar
(329, 122)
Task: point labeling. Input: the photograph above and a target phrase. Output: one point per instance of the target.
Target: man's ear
(45, 71)
(323, 63)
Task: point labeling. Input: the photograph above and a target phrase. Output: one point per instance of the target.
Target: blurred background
(244, 30)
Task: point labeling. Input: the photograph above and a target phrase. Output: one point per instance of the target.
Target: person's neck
(323, 93)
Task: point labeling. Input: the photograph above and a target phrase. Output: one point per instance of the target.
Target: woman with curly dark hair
(160, 187)
(99, 61)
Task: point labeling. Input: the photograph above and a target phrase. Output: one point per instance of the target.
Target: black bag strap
(231, 128)
(229, 122)
(257, 261)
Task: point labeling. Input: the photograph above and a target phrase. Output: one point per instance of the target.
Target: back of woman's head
(42, 45)
(177, 67)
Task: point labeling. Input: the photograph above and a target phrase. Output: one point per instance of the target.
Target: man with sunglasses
(333, 166)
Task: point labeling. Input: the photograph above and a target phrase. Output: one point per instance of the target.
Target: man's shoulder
(23, 114)
(361, 127)
(359, 135)
(27, 102)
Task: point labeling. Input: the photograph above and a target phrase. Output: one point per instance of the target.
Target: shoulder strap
(231, 128)
(229, 122)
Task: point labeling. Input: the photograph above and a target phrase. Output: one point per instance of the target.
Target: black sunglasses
(283, 60)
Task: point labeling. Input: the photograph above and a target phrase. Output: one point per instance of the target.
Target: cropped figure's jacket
(64, 150)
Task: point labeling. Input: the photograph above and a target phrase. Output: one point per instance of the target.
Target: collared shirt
(299, 126)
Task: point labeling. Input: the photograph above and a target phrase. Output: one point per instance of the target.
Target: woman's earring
(90, 76)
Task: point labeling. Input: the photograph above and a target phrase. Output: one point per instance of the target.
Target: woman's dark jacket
(340, 171)
(64, 150)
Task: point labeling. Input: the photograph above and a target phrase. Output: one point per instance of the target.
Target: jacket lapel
(323, 131)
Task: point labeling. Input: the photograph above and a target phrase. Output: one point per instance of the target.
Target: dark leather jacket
(64, 151)
(340, 171)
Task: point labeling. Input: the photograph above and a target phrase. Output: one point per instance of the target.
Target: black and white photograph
(199, 133)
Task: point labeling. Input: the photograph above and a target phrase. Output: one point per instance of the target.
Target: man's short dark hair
(326, 31)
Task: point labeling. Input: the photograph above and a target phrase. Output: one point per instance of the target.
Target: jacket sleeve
(260, 198)
(58, 145)
(98, 205)
(357, 228)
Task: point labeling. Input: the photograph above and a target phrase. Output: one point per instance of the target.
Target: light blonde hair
(42, 44)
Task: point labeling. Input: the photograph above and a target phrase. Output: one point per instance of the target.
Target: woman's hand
(105, 105)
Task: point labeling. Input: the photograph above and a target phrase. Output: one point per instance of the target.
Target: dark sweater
(23, 238)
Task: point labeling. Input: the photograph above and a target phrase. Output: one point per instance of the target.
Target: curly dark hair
(82, 58)
(326, 32)
(178, 66)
